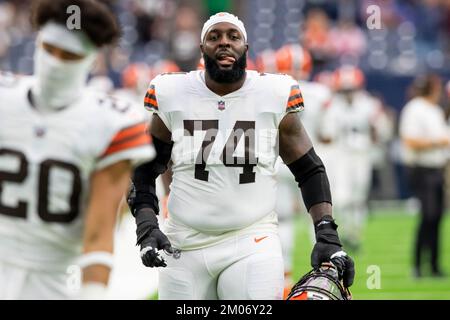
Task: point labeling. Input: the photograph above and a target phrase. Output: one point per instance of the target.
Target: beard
(226, 76)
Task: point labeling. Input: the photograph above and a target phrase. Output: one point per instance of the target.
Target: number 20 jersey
(225, 147)
(46, 162)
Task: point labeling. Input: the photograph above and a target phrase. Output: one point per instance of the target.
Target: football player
(66, 154)
(294, 60)
(223, 128)
(352, 125)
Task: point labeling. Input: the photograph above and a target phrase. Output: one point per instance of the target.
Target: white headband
(75, 41)
(223, 17)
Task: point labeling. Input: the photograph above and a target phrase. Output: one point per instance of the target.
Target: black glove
(328, 248)
(150, 238)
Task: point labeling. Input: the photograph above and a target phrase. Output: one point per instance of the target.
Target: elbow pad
(310, 174)
(144, 178)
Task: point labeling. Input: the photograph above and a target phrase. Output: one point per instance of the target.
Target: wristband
(96, 257)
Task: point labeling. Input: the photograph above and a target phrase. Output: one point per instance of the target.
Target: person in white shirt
(425, 137)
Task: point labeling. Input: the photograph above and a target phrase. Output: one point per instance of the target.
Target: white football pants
(350, 190)
(244, 267)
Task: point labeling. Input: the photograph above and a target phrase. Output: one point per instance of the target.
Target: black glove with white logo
(150, 238)
(144, 206)
(328, 248)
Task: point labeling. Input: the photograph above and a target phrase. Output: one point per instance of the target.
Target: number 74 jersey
(225, 147)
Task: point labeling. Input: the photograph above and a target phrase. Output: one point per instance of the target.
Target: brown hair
(423, 85)
(97, 20)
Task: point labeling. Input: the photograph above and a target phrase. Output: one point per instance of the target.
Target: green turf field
(388, 244)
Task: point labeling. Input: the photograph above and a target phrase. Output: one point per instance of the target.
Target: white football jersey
(317, 98)
(225, 147)
(46, 162)
(350, 125)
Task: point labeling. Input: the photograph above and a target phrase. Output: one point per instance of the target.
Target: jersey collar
(200, 75)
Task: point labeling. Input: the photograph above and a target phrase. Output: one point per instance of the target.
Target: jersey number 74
(241, 129)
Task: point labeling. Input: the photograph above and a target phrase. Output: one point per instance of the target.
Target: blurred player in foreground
(66, 154)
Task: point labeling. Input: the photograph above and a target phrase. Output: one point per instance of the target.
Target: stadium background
(414, 38)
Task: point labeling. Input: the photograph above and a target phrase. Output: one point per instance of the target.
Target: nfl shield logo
(221, 105)
(39, 131)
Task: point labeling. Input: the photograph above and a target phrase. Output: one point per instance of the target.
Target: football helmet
(163, 66)
(137, 75)
(320, 284)
(251, 65)
(266, 61)
(134, 74)
(348, 78)
(294, 60)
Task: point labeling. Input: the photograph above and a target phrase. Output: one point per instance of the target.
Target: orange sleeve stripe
(151, 101)
(151, 91)
(294, 92)
(128, 138)
(294, 97)
(295, 102)
(129, 132)
(139, 140)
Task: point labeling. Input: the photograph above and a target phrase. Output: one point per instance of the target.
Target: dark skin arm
(159, 129)
(167, 179)
(294, 143)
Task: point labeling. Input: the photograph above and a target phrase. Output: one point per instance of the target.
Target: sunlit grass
(387, 243)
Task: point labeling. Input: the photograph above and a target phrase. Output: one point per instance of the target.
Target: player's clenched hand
(328, 248)
(150, 238)
(325, 252)
(345, 267)
(156, 240)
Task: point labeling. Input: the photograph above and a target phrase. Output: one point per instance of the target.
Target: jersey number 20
(19, 176)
